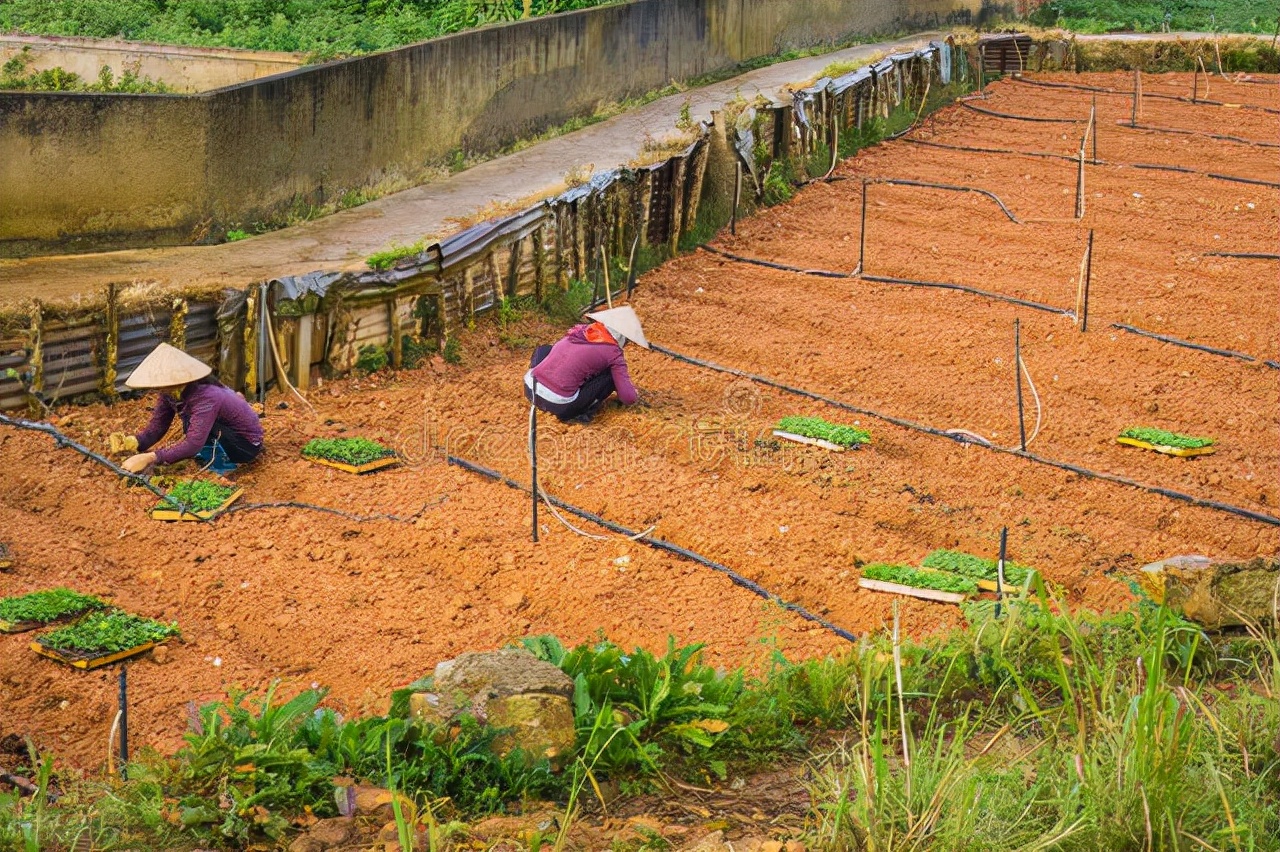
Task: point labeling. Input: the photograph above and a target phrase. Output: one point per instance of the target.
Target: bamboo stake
(1088, 275)
(1080, 183)
(737, 196)
(862, 236)
(1094, 115)
(1004, 543)
(608, 288)
(902, 705)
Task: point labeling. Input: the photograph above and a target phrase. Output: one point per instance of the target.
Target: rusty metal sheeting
(463, 248)
(71, 359)
(202, 332)
(13, 356)
(139, 334)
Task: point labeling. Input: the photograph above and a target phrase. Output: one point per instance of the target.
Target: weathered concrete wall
(79, 172)
(184, 69)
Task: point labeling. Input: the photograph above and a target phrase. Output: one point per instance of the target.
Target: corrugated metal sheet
(13, 356)
(202, 332)
(139, 334)
(72, 359)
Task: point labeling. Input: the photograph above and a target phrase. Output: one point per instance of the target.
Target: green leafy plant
(452, 350)
(975, 567)
(354, 451)
(371, 358)
(196, 495)
(816, 427)
(235, 235)
(907, 576)
(1161, 438)
(413, 350)
(46, 606)
(386, 259)
(107, 632)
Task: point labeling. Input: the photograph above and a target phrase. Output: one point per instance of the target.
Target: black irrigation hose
(1148, 166)
(1129, 94)
(952, 188)
(885, 279)
(362, 519)
(60, 440)
(769, 264)
(995, 114)
(929, 430)
(1182, 132)
(1248, 255)
(659, 544)
(1176, 341)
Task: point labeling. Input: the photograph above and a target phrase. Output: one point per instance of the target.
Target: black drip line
(1176, 341)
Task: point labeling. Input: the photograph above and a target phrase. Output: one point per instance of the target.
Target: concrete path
(343, 240)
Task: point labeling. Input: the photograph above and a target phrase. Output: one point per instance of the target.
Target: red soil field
(361, 607)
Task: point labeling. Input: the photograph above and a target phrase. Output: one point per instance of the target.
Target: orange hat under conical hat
(622, 321)
(167, 367)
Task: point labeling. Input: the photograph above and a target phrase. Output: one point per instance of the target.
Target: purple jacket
(204, 407)
(574, 359)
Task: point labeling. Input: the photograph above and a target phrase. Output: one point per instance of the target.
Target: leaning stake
(124, 721)
(862, 236)
(1004, 544)
(1088, 274)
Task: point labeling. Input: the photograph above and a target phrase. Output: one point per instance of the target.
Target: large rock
(1214, 593)
(510, 689)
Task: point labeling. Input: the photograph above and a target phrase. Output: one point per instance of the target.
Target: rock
(794, 846)
(160, 655)
(1214, 593)
(333, 832)
(305, 843)
(713, 842)
(515, 601)
(376, 802)
(519, 827)
(771, 846)
(509, 688)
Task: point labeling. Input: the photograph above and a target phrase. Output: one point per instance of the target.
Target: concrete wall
(86, 171)
(184, 69)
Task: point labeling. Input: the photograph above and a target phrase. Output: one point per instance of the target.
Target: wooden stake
(1017, 374)
(1004, 543)
(1080, 183)
(1133, 114)
(737, 196)
(862, 236)
(902, 707)
(124, 721)
(1088, 274)
(1093, 115)
(604, 266)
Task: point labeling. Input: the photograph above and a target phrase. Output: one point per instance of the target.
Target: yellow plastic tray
(367, 467)
(18, 626)
(90, 662)
(160, 514)
(1180, 452)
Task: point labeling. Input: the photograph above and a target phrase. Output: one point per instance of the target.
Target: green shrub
(1161, 438)
(907, 576)
(386, 259)
(235, 235)
(452, 350)
(371, 358)
(46, 606)
(414, 350)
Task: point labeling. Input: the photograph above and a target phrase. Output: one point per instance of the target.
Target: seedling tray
(367, 467)
(984, 585)
(912, 591)
(816, 442)
(88, 660)
(1180, 452)
(161, 513)
(24, 626)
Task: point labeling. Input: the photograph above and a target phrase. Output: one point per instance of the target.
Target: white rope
(111, 744)
(533, 411)
(280, 373)
(1036, 396)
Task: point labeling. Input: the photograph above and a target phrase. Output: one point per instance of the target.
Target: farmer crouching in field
(577, 375)
(221, 429)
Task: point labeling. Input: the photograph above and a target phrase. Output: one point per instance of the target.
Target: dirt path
(342, 241)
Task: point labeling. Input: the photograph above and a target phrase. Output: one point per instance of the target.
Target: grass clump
(975, 567)
(383, 260)
(816, 427)
(1100, 16)
(196, 495)
(46, 606)
(905, 575)
(107, 632)
(353, 451)
(371, 358)
(1161, 438)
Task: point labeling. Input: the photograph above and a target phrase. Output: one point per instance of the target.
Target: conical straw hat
(622, 321)
(167, 367)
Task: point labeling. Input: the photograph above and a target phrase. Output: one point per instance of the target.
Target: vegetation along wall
(81, 171)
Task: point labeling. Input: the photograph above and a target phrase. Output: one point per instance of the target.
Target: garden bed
(353, 455)
(44, 608)
(197, 500)
(1169, 443)
(102, 638)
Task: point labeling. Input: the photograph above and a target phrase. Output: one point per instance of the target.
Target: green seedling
(198, 495)
(905, 575)
(975, 567)
(352, 451)
(46, 606)
(107, 632)
(1161, 438)
(816, 427)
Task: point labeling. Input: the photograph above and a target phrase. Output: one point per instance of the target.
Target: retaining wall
(85, 171)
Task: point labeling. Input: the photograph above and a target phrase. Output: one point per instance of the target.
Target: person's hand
(122, 443)
(139, 463)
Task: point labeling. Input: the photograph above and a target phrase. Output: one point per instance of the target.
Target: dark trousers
(593, 393)
(226, 449)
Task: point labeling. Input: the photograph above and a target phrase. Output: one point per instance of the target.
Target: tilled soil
(361, 606)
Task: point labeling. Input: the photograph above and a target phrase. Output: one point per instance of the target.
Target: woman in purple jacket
(579, 373)
(220, 428)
